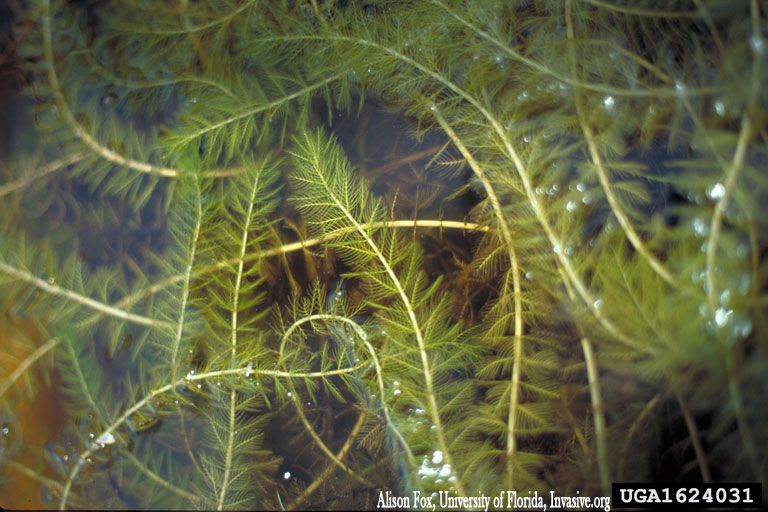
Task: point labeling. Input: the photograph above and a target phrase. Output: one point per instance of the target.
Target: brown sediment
(36, 413)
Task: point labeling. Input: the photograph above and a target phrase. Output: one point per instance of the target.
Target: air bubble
(556, 249)
(437, 457)
(598, 304)
(757, 44)
(716, 192)
(581, 187)
(529, 275)
(571, 205)
(744, 283)
(290, 394)
(287, 475)
(445, 471)
(722, 316)
(108, 100)
(609, 103)
(720, 108)
(700, 227)
(745, 328)
(397, 392)
(5, 431)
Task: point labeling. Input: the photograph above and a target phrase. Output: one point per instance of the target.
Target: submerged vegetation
(291, 254)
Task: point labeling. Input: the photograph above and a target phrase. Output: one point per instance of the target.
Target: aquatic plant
(558, 283)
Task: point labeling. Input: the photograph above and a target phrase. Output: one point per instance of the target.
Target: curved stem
(506, 233)
(48, 168)
(85, 301)
(602, 175)
(86, 137)
(362, 338)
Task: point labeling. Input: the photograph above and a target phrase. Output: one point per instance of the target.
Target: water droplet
(716, 192)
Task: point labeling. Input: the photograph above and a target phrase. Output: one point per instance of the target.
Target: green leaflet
(553, 278)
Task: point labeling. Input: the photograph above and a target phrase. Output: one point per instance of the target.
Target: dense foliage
(248, 299)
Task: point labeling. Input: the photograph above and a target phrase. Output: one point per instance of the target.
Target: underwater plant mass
(297, 254)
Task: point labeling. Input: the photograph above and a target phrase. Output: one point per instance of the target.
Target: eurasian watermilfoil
(592, 309)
